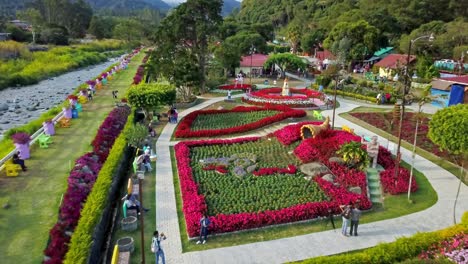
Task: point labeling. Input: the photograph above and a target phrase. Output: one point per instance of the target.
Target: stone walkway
(316, 244)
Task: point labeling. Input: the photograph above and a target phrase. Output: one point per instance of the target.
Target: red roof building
(325, 54)
(394, 61)
(255, 60)
(458, 79)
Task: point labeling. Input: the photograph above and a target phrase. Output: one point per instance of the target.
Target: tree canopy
(149, 96)
(285, 61)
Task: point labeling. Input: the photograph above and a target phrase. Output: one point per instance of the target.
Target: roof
(392, 61)
(382, 51)
(374, 58)
(459, 79)
(254, 60)
(441, 85)
(325, 54)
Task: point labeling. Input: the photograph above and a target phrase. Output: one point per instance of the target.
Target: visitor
(146, 147)
(355, 215)
(204, 223)
(169, 115)
(229, 95)
(114, 94)
(346, 215)
(19, 161)
(175, 116)
(90, 94)
(151, 131)
(132, 203)
(147, 160)
(156, 247)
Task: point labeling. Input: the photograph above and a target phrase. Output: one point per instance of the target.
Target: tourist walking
(156, 247)
(355, 215)
(204, 223)
(19, 161)
(345, 215)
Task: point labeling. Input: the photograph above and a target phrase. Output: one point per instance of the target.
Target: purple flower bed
(80, 183)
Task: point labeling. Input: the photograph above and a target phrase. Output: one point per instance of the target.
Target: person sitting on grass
(17, 160)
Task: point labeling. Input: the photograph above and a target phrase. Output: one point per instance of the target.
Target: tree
(285, 61)
(190, 27)
(33, 16)
(244, 40)
(448, 129)
(128, 30)
(312, 40)
(149, 96)
(293, 34)
(228, 55)
(101, 27)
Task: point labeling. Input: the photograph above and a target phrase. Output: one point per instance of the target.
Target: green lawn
(35, 195)
(452, 168)
(394, 206)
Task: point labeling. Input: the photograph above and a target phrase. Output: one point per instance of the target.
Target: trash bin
(74, 113)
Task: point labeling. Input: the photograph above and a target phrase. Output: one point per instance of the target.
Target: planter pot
(74, 113)
(67, 112)
(49, 128)
(126, 244)
(129, 223)
(23, 150)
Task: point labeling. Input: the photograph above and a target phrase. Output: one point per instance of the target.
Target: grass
(452, 168)
(34, 196)
(394, 206)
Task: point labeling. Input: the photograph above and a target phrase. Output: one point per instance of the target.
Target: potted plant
(67, 109)
(21, 140)
(48, 126)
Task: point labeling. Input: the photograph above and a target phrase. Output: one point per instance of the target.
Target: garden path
(305, 246)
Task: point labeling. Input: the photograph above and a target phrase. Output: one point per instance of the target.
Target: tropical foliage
(149, 96)
(354, 155)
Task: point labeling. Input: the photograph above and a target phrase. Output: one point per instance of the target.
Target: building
(450, 90)
(389, 64)
(380, 54)
(254, 62)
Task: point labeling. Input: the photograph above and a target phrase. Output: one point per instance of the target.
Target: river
(19, 105)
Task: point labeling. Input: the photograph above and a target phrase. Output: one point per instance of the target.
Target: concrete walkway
(305, 246)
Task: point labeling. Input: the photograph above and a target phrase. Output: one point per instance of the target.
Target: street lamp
(252, 50)
(406, 89)
(141, 177)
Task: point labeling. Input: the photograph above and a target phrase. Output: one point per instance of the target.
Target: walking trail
(316, 244)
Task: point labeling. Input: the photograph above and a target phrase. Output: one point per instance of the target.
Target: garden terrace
(207, 123)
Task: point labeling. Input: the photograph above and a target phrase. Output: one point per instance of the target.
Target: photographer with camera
(156, 246)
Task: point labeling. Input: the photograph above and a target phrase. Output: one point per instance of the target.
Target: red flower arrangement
(235, 87)
(21, 138)
(291, 169)
(398, 185)
(72, 97)
(303, 97)
(184, 128)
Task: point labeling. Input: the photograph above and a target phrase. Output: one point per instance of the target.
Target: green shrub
(91, 213)
(381, 86)
(362, 83)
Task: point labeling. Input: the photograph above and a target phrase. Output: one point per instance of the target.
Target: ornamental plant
(72, 97)
(354, 155)
(21, 138)
(454, 249)
(148, 96)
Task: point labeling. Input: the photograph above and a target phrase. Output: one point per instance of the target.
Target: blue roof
(382, 51)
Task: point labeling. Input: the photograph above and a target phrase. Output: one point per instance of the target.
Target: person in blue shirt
(204, 223)
(156, 247)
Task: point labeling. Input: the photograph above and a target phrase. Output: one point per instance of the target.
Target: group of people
(350, 214)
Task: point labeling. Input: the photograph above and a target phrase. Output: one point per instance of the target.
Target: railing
(34, 138)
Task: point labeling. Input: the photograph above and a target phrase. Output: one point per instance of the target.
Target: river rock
(355, 189)
(4, 122)
(31, 108)
(329, 177)
(313, 168)
(4, 107)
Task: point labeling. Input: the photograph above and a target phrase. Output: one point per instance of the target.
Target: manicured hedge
(352, 95)
(400, 250)
(81, 240)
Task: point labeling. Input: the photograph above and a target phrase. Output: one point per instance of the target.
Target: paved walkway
(311, 245)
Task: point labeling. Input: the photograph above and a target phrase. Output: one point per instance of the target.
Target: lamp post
(251, 51)
(334, 101)
(406, 89)
(141, 177)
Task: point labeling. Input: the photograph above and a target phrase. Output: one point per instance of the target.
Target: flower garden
(382, 121)
(235, 87)
(302, 98)
(255, 182)
(207, 123)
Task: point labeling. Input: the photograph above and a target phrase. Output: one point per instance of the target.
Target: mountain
(128, 5)
(228, 5)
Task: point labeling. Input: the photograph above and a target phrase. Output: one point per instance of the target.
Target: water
(29, 102)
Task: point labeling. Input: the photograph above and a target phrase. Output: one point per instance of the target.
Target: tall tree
(285, 61)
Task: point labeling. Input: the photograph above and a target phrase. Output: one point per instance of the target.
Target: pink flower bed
(235, 87)
(275, 93)
(184, 128)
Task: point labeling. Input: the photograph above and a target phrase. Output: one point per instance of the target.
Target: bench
(120, 257)
(44, 141)
(12, 169)
(65, 122)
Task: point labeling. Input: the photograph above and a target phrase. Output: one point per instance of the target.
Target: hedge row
(352, 95)
(400, 250)
(81, 240)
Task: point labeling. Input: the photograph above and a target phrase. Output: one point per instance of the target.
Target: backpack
(346, 213)
(155, 245)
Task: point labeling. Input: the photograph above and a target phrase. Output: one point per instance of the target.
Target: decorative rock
(329, 177)
(129, 223)
(337, 160)
(355, 189)
(126, 244)
(4, 107)
(313, 168)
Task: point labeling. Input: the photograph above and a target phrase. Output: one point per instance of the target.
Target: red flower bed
(237, 87)
(291, 169)
(291, 133)
(383, 122)
(184, 128)
(194, 204)
(275, 93)
(399, 185)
